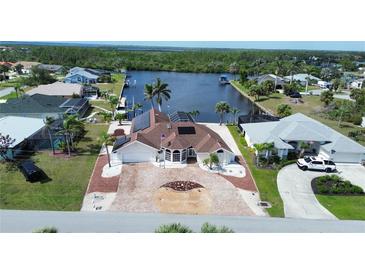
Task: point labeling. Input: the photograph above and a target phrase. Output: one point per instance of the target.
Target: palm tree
(222, 108)
(119, 116)
(195, 113)
(48, 122)
(135, 107)
(267, 147)
(234, 111)
(113, 101)
(18, 89)
(303, 146)
(71, 127)
(161, 91)
(173, 228)
(209, 228)
(106, 140)
(148, 94)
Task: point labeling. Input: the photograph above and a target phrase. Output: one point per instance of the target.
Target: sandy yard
(140, 190)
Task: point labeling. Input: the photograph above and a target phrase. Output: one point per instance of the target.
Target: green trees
(113, 101)
(209, 228)
(5, 142)
(136, 107)
(120, 116)
(106, 140)
(327, 97)
(19, 68)
(221, 108)
(148, 94)
(212, 160)
(268, 87)
(243, 76)
(195, 113)
(292, 87)
(107, 116)
(18, 90)
(234, 112)
(46, 229)
(39, 77)
(263, 147)
(72, 128)
(283, 110)
(255, 91)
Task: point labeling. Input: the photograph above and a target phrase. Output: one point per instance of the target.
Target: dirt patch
(182, 185)
(194, 201)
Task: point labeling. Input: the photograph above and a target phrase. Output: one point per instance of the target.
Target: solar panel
(119, 142)
(180, 116)
(141, 121)
(186, 130)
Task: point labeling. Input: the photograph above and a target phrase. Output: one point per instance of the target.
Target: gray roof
(299, 127)
(84, 73)
(20, 128)
(52, 68)
(302, 77)
(36, 103)
(57, 89)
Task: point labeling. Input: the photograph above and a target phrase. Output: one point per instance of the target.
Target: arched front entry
(176, 156)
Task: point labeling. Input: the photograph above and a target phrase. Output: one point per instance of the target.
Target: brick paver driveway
(139, 183)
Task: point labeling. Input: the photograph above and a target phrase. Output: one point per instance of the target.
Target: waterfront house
(288, 134)
(174, 139)
(81, 76)
(27, 66)
(278, 81)
(302, 78)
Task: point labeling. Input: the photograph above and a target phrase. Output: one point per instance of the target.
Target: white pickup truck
(316, 163)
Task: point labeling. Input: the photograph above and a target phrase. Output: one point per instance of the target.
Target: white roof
(57, 89)
(20, 128)
(299, 127)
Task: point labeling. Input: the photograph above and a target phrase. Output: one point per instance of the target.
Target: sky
(306, 45)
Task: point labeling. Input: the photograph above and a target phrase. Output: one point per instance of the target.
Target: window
(167, 155)
(176, 156)
(220, 151)
(317, 163)
(183, 155)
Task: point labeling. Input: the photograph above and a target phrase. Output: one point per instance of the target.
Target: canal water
(189, 91)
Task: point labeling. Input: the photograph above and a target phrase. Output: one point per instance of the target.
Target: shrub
(209, 228)
(46, 230)
(333, 184)
(357, 119)
(173, 228)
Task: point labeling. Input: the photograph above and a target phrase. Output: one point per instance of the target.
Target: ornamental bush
(335, 185)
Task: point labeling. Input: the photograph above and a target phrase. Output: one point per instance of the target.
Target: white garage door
(136, 157)
(342, 157)
(137, 152)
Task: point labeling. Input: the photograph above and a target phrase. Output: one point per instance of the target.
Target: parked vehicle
(31, 172)
(295, 94)
(316, 163)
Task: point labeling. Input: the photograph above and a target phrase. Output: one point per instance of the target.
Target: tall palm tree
(235, 111)
(221, 108)
(49, 122)
(195, 113)
(106, 140)
(161, 91)
(71, 127)
(148, 94)
(113, 101)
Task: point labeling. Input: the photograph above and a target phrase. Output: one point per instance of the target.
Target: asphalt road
(6, 91)
(27, 221)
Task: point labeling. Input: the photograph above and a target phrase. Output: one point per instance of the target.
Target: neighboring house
(156, 137)
(7, 64)
(23, 130)
(42, 106)
(59, 89)
(288, 133)
(27, 66)
(51, 68)
(82, 76)
(279, 82)
(357, 83)
(302, 78)
(324, 84)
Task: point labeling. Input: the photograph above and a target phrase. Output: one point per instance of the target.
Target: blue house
(81, 76)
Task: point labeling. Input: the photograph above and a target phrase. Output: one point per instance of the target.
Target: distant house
(23, 130)
(42, 106)
(324, 84)
(82, 76)
(51, 68)
(302, 78)
(278, 81)
(288, 133)
(357, 83)
(58, 89)
(27, 66)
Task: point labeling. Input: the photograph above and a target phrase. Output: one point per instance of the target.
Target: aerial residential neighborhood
(275, 135)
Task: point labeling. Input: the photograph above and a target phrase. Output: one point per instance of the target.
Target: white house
(357, 83)
(302, 78)
(288, 133)
(156, 137)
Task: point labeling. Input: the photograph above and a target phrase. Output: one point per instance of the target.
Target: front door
(191, 153)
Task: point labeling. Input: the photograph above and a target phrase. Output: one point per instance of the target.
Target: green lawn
(344, 207)
(11, 95)
(265, 179)
(311, 107)
(69, 178)
(116, 86)
(100, 103)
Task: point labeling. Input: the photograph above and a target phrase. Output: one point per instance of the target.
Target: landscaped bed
(343, 199)
(334, 185)
(182, 185)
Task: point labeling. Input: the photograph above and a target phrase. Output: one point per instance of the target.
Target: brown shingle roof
(204, 139)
